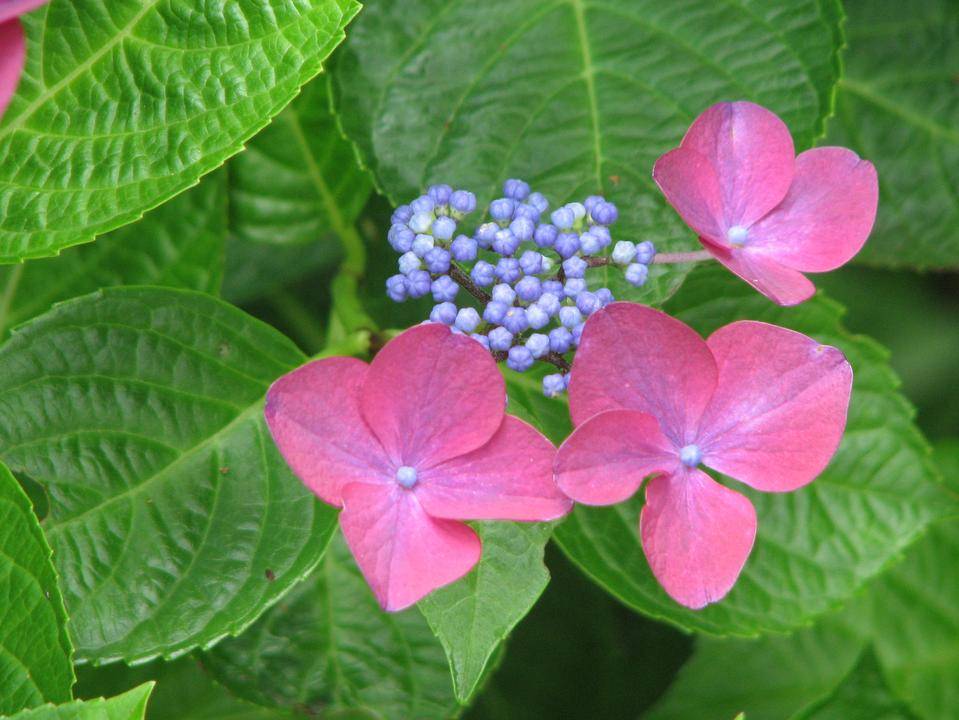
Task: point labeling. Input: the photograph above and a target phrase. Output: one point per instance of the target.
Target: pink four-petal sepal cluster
(409, 446)
(764, 213)
(12, 45)
(649, 397)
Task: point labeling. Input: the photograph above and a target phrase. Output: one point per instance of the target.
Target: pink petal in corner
(12, 55)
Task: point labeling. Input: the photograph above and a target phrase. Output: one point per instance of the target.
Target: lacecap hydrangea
(523, 269)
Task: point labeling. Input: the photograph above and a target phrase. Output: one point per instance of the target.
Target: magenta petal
(404, 553)
(779, 283)
(508, 478)
(314, 416)
(779, 409)
(12, 54)
(632, 357)
(605, 460)
(734, 165)
(827, 214)
(431, 395)
(10, 9)
(697, 536)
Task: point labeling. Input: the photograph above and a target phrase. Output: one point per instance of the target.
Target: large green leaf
(35, 662)
(814, 547)
(125, 103)
(575, 97)
(327, 647)
(898, 106)
(173, 519)
(473, 616)
(130, 706)
(180, 244)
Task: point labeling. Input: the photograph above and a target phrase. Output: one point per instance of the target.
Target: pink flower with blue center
(764, 213)
(409, 446)
(650, 398)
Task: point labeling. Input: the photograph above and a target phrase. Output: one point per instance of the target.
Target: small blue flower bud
(536, 316)
(402, 214)
(419, 284)
(567, 244)
(574, 286)
(516, 189)
(406, 476)
(589, 243)
(397, 288)
(560, 340)
(503, 293)
(440, 194)
(605, 296)
(570, 316)
(575, 267)
(529, 288)
(531, 262)
(444, 227)
(592, 201)
(588, 303)
(464, 249)
(604, 213)
(508, 270)
(624, 252)
(527, 211)
(538, 201)
(578, 333)
(500, 339)
(563, 217)
(601, 232)
(578, 209)
(549, 303)
(401, 238)
(519, 359)
(505, 243)
(501, 209)
(423, 204)
(636, 274)
(483, 274)
(522, 228)
(421, 222)
(422, 244)
(495, 311)
(515, 320)
(545, 235)
(444, 313)
(467, 319)
(481, 339)
(538, 344)
(645, 252)
(486, 233)
(553, 385)
(408, 262)
(444, 288)
(463, 201)
(554, 287)
(437, 260)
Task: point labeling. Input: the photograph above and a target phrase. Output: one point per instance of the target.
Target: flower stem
(687, 257)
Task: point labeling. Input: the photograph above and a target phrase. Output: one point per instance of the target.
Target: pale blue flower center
(406, 476)
(690, 456)
(737, 234)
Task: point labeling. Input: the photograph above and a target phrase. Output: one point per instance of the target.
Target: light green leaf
(575, 97)
(328, 648)
(125, 103)
(473, 616)
(898, 106)
(814, 547)
(180, 244)
(35, 652)
(173, 519)
(129, 706)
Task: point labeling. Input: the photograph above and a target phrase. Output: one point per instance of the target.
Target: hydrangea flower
(409, 446)
(759, 403)
(12, 46)
(764, 213)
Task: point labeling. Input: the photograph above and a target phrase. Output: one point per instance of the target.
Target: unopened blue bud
(522, 228)
(575, 267)
(503, 293)
(508, 269)
(525, 210)
(554, 287)
(516, 189)
(529, 288)
(444, 313)
(567, 244)
(483, 274)
(409, 262)
(570, 316)
(464, 249)
(419, 284)
(501, 209)
(402, 214)
(467, 319)
(624, 252)
(536, 316)
(538, 344)
(645, 252)
(560, 340)
(481, 339)
(549, 302)
(440, 194)
(636, 274)
(495, 311)
(422, 244)
(587, 302)
(500, 339)
(563, 217)
(437, 260)
(444, 227)
(463, 201)
(578, 209)
(605, 296)
(602, 232)
(592, 201)
(423, 204)
(531, 262)
(397, 288)
(589, 243)
(553, 385)
(574, 286)
(578, 333)
(486, 233)
(538, 201)
(444, 288)
(515, 320)
(505, 243)
(604, 213)
(421, 222)
(401, 238)
(545, 235)
(519, 359)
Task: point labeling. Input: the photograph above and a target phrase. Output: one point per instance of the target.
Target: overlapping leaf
(131, 705)
(173, 519)
(125, 103)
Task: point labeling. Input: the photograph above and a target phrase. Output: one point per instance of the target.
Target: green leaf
(473, 616)
(125, 103)
(35, 652)
(897, 106)
(173, 519)
(129, 706)
(526, 400)
(814, 547)
(327, 648)
(575, 97)
(180, 244)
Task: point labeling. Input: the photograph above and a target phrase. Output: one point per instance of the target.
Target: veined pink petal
(431, 395)
(12, 54)
(779, 283)
(734, 165)
(697, 535)
(508, 478)
(314, 416)
(635, 358)
(827, 214)
(10, 9)
(404, 553)
(605, 460)
(779, 409)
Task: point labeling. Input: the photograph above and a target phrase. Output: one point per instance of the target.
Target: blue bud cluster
(526, 267)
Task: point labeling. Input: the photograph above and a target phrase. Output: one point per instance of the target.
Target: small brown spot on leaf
(615, 179)
(224, 470)
(270, 575)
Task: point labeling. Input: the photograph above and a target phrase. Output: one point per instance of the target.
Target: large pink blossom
(409, 446)
(764, 213)
(12, 46)
(648, 396)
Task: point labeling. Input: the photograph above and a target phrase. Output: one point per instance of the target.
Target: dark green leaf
(174, 520)
(35, 662)
(125, 103)
(526, 401)
(129, 706)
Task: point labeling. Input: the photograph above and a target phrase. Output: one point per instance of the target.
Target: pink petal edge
(781, 284)
(12, 57)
